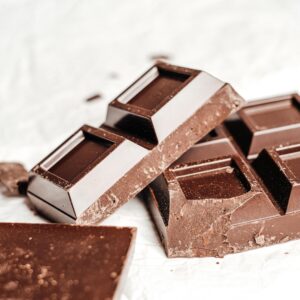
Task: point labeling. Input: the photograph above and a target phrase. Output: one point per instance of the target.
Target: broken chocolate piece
(213, 201)
(48, 261)
(267, 123)
(147, 128)
(195, 204)
(14, 178)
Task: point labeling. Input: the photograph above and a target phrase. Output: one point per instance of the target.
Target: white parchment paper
(54, 54)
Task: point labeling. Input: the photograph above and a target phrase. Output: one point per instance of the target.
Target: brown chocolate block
(48, 261)
(267, 123)
(195, 205)
(14, 178)
(148, 127)
(213, 201)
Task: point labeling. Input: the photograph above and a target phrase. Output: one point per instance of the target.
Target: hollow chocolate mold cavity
(215, 180)
(267, 123)
(162, 84)
(73, 164)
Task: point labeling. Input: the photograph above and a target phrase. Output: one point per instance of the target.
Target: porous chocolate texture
(148, 127)
(54, 261)
(214, 201)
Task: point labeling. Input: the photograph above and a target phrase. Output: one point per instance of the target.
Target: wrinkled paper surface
(55, 54)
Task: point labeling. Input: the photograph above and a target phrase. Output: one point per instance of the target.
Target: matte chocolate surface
(210, 203)
(148, 127)
(13, 179)
(47, 261)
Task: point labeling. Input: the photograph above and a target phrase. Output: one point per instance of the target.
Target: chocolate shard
(267, 123)
(148, 127)
(13, 178)
(54, 261)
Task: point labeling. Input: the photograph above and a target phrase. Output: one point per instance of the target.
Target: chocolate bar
(214, 201)
(55, 261)
(148, 127)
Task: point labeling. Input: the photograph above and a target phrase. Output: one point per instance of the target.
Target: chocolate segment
(196, 204)
(148, 127)
(267, 123)
(47, 261)
(279, 169)
(214, 201)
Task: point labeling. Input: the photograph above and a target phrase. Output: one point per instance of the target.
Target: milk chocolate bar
(148, 127)
(212, 203)
(55, 261)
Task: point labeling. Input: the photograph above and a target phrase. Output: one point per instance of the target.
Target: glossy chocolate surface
(80, 157)
(46, 261)
(149, 126)
(212, 204)
(157, 92)
(267, 123)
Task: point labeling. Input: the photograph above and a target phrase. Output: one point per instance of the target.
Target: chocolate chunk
(212, 202)
(14, 178)
(47, 261)
(147, 128)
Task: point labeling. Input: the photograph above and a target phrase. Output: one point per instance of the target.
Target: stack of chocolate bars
(212, 188)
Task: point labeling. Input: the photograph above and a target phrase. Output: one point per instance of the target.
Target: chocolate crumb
(217, 263)
(14, 178)
(93, 98)
(260, 240)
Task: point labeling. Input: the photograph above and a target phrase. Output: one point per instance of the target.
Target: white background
(55, 54)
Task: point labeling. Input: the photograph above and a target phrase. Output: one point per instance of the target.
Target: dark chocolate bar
(212, 203)
(53, 261)
(148, 127)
